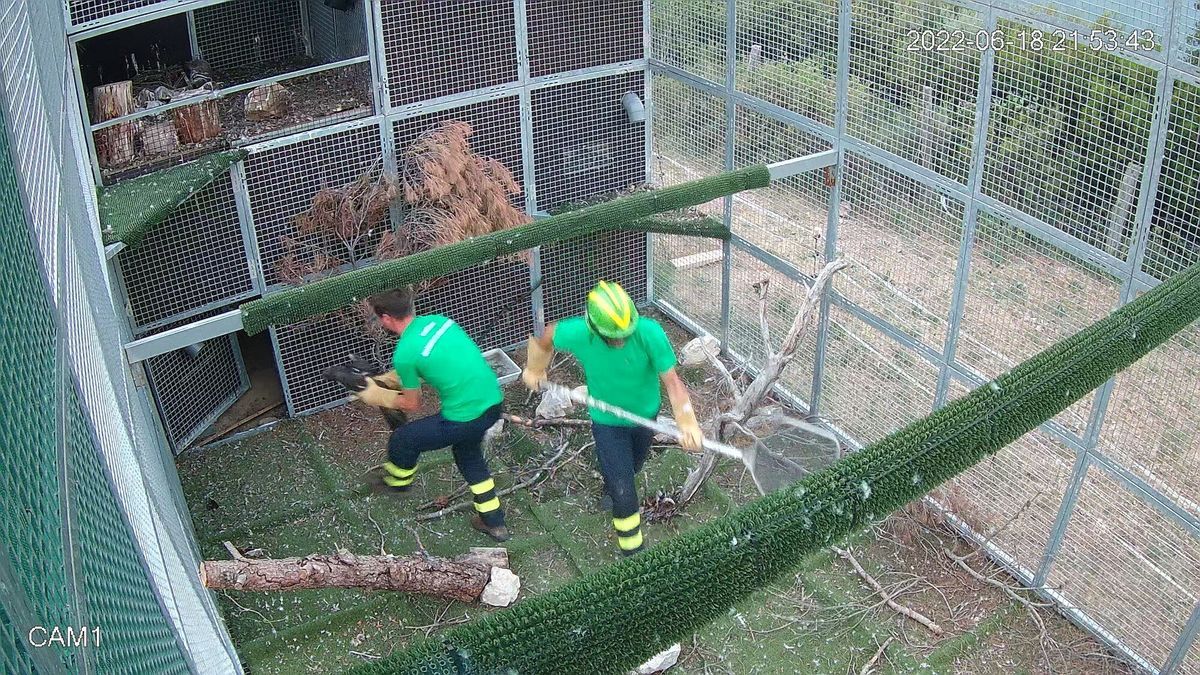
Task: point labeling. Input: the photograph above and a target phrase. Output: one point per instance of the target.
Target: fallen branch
(866, 670)
(1010, 591)
(462, 578)
(249, 418)
(506, 491)
(540, 422)
(920, 618)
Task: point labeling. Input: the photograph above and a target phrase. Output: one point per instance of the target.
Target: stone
(269, 101)
(697, 351)
(502, 589)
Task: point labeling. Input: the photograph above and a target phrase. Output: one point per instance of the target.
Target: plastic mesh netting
(631, 213)
(697, 576)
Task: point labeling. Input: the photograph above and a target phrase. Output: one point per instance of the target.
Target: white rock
(660, 661)
(697, 351)
(502, 589)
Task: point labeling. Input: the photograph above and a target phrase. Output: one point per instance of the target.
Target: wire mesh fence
(575, 34)
(194, 386)
(197, 258)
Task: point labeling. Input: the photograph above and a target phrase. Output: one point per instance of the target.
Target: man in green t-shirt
(623, 359)
(435, 349)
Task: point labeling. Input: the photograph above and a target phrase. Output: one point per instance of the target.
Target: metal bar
(962, 272)
(1183, 645)
(1079, 31)
(289, 405)
(1065, 510)
(217, 94)
(648, 89)
(150, 327)
(63, 385)
(454, 101)
(373, 18)
(1151, 496)
(115, 22)
(835, 196)
(1152, 174)
(193, 41)
(241, 198)
(178, 338)
(799, 165)
(84, 118)
(1073, 245)
(592, 73)
(528, 168)
(729, 161)
(320, 132)
(112, 250)
(305, 27)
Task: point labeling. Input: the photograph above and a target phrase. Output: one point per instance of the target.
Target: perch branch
(920, 618)
(760, 289)
(716, 362)
(538, 423)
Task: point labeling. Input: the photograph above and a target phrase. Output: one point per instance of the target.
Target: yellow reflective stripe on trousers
(628, 522)
(490, 505)
(484, 486)
(397, 471)
(631, 542)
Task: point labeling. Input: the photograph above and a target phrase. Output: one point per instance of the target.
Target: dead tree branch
(537, 474)
(866, 670)
(920, 618)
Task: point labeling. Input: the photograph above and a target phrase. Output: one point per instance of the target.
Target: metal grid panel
(250, 34)
(583, 142)
(917, 102)
(789, 217)
(193, 259)
(1128, 567)
(120, 599)
(570, 269)
(1121, 16)
(1067, 138)
(1191, 662)
(305, 349)
(690, 34)
(903, 238)
(1152, 424)
(688, 131)
(1012, 499)
(872, 385)
(436, 49)
(193, 391)
(567, 35)
(1186, 41)
(84, 11)
(1024, 295)
(281, 183)
(496, 126)
(1174, 242)
(786, 54)
(783, 301)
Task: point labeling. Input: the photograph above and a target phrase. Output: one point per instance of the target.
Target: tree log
(198, 122)
(267, 102)
(114, 145)
(462, 578)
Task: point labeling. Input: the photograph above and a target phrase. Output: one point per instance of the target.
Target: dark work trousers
(465, 440)
(621, 452)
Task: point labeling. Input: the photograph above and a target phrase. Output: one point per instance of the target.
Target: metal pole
(962, 272)
(1063, 519)
(730, 146)
(648, 90)
(1184, 644)
(528, 170)
(835, 196)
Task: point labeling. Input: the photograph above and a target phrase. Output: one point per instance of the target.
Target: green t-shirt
(625, 376)
(435, 349)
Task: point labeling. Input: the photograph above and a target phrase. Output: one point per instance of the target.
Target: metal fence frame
(1133, 279)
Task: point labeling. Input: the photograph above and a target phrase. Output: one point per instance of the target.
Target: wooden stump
(159, 138)
(114, 145)
(463, 578)
(198, 122)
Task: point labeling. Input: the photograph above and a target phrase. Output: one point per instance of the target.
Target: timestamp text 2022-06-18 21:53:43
(1031, 40)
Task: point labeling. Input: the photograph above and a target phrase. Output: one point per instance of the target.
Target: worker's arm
(681, 406)
(537, 358)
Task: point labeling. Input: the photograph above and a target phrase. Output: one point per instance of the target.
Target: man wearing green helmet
(623, 357)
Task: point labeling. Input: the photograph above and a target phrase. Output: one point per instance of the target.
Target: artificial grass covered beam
(626, 213)
(613, 620)
(131, 209)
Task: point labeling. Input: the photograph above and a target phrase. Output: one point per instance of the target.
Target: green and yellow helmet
(610, 311)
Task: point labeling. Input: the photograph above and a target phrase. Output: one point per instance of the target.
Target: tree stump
(269, 101)
(159, 138)
(198, 122)
(463, 578)
(114, 145)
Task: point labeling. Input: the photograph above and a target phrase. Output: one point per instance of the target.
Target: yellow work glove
(537, 360)
(389, 379)
(689, 428)
(380, 397)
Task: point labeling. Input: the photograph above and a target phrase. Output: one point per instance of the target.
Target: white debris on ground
(660, 661)
(697, 350)
(502, 589)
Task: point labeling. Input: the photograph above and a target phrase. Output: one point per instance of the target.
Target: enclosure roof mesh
(130, 209)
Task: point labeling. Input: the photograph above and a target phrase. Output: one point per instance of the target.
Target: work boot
(498, 533)
(634, 551)
(374, 481)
